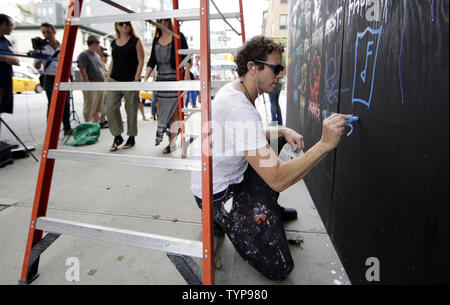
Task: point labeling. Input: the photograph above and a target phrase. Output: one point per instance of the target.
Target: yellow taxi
(23, 82)
(146, 95)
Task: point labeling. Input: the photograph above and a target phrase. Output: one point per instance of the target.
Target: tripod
(18, 139)
(73, 112)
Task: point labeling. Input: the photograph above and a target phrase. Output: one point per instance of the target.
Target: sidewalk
(148, 200)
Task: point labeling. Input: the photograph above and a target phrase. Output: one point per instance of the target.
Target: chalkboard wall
(383, 193)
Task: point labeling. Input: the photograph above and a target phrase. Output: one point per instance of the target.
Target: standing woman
(126, 66)
(163, 56)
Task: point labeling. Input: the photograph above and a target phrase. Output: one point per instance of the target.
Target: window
(283, 22)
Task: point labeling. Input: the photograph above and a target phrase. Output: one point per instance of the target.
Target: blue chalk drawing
(332, 80)
(369, 53)
(296, 95)
(297, 73)
(433, 15)
(366, 76)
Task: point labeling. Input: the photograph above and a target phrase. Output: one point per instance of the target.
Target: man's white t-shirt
(236, 127)
(52, 67)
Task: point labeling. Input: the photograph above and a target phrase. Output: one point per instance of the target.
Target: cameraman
(6, 62)
(48, 69)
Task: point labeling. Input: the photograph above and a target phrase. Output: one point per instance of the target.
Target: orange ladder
(36, 242)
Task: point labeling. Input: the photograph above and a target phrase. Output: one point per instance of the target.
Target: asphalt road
(29, 119)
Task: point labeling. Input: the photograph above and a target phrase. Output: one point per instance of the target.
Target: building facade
(50, 11)
(276, 20)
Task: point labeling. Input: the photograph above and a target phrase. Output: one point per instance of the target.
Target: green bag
(85, 134)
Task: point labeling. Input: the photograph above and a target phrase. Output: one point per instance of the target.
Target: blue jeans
(274, 106)
(191, 95)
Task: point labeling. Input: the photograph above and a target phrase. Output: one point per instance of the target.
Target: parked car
(23, 82)
(223, 70)
(146, 96)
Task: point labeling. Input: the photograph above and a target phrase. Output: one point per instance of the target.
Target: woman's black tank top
(125, 60)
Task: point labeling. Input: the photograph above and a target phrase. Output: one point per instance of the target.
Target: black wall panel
(313, 83)
(383, 192)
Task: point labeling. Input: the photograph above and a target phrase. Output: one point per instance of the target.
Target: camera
(38, 44)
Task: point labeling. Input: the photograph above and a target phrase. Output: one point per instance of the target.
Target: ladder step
(127, 237)
(213, 51)
(180, 15)
(213, 17)
(189, 110)
(185, 85)
(155, 162)
(189, 85)
(191, 135)
(217, 84)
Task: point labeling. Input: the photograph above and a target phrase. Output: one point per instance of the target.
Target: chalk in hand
(353, 118)
(350, 120)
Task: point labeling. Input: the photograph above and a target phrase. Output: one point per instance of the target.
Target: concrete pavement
(143, 199)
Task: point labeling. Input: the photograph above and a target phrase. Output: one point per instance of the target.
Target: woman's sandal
(117, 141)
(166, 150)
(130, 143)
(169, 148)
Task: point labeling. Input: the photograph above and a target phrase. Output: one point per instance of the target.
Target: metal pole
(180, 77)
(241, 10)
(50, 142)
(205, 91)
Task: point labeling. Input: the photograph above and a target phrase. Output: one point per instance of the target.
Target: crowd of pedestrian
(125, 65)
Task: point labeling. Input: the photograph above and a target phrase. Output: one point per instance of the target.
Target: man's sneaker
(288, 214)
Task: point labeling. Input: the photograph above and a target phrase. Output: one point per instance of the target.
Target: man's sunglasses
(124, 23)
(275, 68)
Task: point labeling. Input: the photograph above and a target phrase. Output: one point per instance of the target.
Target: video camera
(38, 44)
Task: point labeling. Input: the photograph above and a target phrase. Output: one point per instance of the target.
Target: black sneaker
(104, 125)
(11, 146)
(288, 214)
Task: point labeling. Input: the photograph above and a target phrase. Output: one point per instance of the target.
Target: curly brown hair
(258, 48)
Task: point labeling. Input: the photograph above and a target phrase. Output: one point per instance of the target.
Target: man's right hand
(15, 62)
(11, 60)
(333, 129)
(37, 64)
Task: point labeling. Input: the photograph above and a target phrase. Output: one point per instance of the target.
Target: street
(29, 120)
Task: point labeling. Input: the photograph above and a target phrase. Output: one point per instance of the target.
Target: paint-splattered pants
(254, 225)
